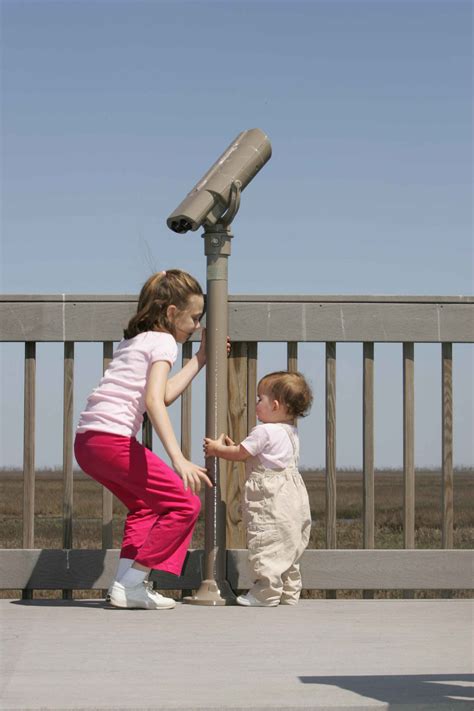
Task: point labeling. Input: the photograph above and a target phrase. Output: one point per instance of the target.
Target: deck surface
(322, 654)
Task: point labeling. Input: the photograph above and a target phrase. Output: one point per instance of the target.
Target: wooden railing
(253, 319)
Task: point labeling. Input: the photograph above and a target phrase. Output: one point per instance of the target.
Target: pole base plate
(211, 593)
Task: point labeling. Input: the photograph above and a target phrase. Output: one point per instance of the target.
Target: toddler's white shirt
(271, 444)
(118, 403)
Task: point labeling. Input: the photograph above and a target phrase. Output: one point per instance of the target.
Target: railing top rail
(252, 318)
(256, 298)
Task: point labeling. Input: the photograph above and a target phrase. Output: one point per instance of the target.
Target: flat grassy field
(388, 514)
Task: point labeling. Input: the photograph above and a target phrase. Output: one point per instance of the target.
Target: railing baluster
(29, 452)
(252, 349)
(331, 450)
(107, 497)
(147, 432)
(368, 450)
(408, 445)
(330, 445)
(68, 397)
(368, 444)
(292, 356)
(186, 411)
(237, 429)
(186, 402)
(447, 444)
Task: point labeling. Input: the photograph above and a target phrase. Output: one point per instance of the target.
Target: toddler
(275, 507)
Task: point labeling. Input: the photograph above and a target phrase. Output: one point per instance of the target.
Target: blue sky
(112, 110)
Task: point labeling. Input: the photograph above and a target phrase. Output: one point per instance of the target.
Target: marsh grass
(87, 506)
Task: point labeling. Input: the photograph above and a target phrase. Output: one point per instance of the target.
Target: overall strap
(294, 443)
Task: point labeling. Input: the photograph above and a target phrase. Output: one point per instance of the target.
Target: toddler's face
(188, 321)
(265, 406)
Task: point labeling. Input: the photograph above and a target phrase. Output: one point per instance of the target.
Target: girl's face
(188, 321)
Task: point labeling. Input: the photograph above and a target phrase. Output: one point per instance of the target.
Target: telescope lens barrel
(210, 197)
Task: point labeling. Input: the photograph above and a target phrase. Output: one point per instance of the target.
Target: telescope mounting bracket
(234, 204)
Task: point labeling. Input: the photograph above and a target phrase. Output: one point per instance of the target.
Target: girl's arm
(176, 385)
(224, 448)
(192, 474)
(179, 382)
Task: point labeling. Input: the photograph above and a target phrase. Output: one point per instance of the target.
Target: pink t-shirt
(271, 444)
(118, 403)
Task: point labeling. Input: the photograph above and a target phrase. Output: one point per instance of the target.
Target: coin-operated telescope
(219, 189)
(213, 204)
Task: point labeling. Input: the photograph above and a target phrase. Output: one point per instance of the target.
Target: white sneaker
(249, 600)
(107, 596)
(140, 596)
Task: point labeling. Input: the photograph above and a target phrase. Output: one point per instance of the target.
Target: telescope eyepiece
(180, 226)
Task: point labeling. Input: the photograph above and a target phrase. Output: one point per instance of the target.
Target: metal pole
(215, 589)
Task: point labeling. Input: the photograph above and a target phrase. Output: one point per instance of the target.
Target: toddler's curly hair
(291, 389)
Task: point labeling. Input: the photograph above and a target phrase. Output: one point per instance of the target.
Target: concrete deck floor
(322, 654)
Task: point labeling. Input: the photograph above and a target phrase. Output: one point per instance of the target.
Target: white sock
(133, 577)
(123, 565)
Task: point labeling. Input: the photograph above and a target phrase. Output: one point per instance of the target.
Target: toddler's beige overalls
(277, 517)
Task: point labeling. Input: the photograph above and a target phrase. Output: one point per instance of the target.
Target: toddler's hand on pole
(209, 447)
(215, 447)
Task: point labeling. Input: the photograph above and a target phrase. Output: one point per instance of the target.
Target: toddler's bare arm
(225, 448)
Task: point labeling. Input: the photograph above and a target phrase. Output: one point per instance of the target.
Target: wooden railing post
(147, 432)
(368, 451)
(237, 430)
(107, 496)
(29, 452)
(292, 356)
(408, 445)
(186, 412)
(252, 350)
(331, 450)
(368, 444)
(186, 405)
(447, 446)
(68, 398)
(408, 450)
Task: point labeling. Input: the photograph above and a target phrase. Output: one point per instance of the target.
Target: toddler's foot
(249, 600)
(140, 596)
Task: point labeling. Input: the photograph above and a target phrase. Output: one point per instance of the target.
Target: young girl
(162, 502)
(276, 510)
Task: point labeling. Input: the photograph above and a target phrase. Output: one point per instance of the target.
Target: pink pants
(161, 514)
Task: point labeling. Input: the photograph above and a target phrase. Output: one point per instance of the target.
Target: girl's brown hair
(163, 289)
(291, 389)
